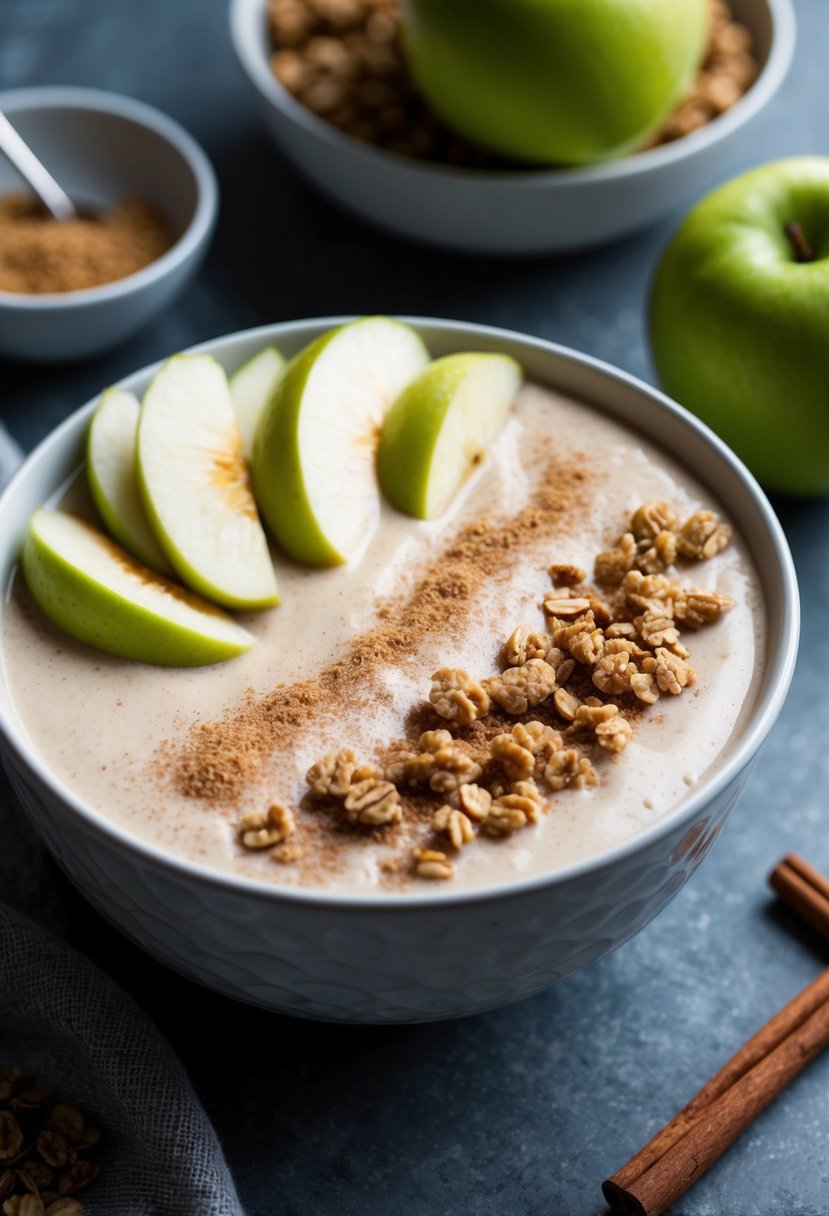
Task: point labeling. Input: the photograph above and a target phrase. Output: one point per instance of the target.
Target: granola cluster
(572, 690)
(44, 1149)
(656, 538)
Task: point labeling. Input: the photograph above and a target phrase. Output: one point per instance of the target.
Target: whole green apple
(739, 320)
(555, 81)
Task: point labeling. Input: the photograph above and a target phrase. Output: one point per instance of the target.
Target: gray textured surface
(526, 1109)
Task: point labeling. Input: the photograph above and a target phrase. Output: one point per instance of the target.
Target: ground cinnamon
(220, 757)
(702, 1131)
(39, 254)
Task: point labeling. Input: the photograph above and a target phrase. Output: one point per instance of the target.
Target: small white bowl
(511, 211)
(434, 953)
(104, 148)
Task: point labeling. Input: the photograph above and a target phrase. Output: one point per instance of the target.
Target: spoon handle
(35, 174)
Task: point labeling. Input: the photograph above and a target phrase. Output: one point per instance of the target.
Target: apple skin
(275, 466)
(410, 445)
(110, 470)
(251, 387)
(280, 480)
(555, 81)
(193, 483)
(739, 329)
(87, 609)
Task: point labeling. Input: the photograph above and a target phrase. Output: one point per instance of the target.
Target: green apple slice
(110, 468)
(441, 427)
(313, 455)
(251, 387)
(195, 485)
(97, 592)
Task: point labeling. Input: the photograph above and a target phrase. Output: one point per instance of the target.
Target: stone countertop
(525, 1109)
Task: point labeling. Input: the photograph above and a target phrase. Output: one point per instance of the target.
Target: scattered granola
(520, 688)
(698, 608)
(536, 737)
(566, 575)
(628, 649)
(569, 767)
(261, 830)
(702, 536)
(670, 672)
(457, 826)
(524, 644)
(453, 769)
(457, 697)
(582, 638)
(655, 540)
(612, 565)
(566, 704)
(651, 519)
(373, 802)
(475, 801)
(287, 853)
(43, 1147)
(517, 761)
(565, 606)
(433, 864)
(504, 818)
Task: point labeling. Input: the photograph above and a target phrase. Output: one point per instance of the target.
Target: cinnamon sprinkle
(219, 758)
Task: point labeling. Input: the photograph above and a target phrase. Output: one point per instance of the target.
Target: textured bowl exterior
(539, 211)
(103, 147)
(434, 954)
(380, 964)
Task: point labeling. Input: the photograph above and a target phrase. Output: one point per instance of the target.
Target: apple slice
(251, 386)
(195, 486)
(97, 592)
(441, 427)
(313, 455)
(110, 468)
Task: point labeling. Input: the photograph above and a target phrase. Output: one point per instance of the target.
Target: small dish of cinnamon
(70, 288)
(42, 255)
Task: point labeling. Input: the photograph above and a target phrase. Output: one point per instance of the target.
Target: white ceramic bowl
(534, 211)
(435, 953)
(103, 148)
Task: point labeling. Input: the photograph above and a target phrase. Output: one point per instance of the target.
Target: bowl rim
(778, 679)
(199, 227)
(244, 13)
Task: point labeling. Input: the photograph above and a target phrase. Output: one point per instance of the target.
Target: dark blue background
(524, 1110)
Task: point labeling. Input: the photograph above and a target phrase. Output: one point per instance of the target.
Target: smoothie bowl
(441, 774)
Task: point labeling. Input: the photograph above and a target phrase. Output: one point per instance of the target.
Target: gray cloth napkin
(75, 1029)
(78, 1032)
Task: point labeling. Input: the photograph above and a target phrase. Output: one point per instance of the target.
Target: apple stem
(803, 251)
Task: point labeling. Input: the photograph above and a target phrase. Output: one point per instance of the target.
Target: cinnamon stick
(702, 1131)
(804, 890)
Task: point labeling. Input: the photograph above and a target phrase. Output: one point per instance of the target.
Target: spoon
(37, 176)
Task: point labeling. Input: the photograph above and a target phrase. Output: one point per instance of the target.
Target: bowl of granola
(331, 84)
(449, 771)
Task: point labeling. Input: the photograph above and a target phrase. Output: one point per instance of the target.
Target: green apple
(195, 485)
(251, 386)
(739, 320)
(97, 592)
(313, 455)
(110, 469)
(555, 81)
(440, 428)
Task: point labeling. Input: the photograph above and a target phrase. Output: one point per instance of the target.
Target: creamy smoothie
(176, 757)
